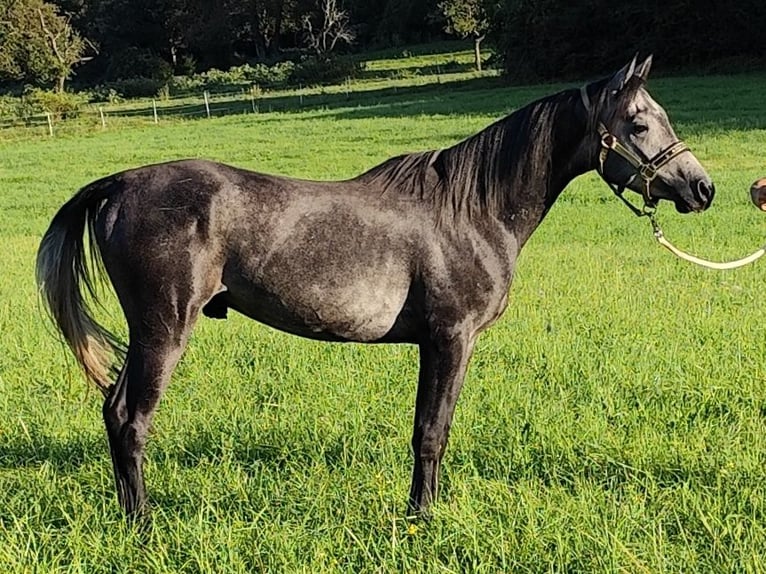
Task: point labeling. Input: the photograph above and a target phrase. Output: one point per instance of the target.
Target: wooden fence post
(50, 123)
(103, 119)
(154, 109)
(207, 104)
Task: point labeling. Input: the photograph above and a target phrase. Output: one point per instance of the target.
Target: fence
(247, 100)
(203, 105)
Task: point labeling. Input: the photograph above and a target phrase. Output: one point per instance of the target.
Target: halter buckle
(647, 171)
(649, 210)
(607, 140)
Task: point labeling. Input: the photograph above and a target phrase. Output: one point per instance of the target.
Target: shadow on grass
(471, 96)
(67, 454)
(252, 452)
(569, 469)
(64, 454)
(449, 67)
(551, 468)
(417, 50)
(694, 102)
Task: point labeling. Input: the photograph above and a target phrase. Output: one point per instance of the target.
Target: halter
(647, 170)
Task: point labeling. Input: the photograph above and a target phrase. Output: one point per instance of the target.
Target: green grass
(613, 419)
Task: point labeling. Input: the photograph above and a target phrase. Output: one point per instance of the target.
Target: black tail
(62, 270)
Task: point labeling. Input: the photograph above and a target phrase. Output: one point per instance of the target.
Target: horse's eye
(639, 128)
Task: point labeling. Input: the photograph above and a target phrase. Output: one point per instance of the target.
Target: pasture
(612, 420)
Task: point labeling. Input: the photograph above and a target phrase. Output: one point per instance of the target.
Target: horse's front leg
(443, 364)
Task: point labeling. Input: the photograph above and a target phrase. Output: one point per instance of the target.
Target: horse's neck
(530, 199)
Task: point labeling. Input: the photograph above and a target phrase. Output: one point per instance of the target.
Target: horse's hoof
(418, 514)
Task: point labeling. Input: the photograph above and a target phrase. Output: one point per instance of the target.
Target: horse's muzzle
(701, 197)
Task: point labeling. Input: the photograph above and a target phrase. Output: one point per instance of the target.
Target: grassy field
(612, 421)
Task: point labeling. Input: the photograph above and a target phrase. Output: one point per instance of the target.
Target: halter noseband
(646, 170)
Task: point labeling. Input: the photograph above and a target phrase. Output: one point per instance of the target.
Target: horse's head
(639, 149)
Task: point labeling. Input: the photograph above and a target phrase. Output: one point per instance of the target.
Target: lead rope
(660, 237)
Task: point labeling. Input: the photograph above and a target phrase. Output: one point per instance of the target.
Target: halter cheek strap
(646, 170)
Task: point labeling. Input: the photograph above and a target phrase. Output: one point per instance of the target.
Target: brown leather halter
(647, 170)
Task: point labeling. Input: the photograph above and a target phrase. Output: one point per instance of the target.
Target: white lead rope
(704, 262)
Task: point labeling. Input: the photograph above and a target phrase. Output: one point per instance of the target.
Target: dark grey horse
(420, 249)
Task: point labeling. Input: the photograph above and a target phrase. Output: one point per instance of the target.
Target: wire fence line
(247, 100)
(209, 103)
(104, 114)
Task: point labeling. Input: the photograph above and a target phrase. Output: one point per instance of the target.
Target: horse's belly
(324, 314)
(334, 273)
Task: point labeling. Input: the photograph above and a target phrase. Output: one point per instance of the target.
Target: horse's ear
(620, 78)
(642, 71)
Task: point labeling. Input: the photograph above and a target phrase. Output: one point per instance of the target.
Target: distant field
(382, 75)
(613, 419)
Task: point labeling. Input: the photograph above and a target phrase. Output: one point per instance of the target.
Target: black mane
(482, 173)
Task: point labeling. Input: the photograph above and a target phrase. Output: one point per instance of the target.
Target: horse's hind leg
(130, 406)
(163, 273)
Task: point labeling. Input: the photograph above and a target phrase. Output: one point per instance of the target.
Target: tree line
(555, 39)
(47, 42)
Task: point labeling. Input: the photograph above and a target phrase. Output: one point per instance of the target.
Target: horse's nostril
(706, 191)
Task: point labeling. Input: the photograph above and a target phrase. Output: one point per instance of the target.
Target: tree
(467, 18)
(38, 44)
(66, 48)
(398, 22)
(325, 29)
(268, 20)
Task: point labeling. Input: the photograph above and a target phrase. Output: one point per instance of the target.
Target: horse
(419, 250)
